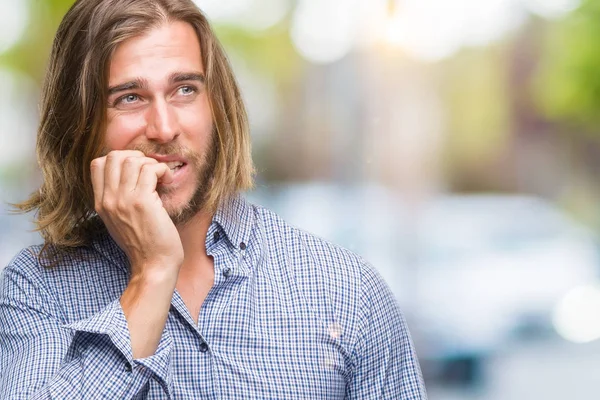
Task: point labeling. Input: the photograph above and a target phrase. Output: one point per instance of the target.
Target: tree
(567, 86)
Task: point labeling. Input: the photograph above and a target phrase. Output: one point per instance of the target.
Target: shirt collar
(235, 216)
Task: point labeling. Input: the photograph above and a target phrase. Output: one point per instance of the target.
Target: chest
(193, 287)
(258, 340)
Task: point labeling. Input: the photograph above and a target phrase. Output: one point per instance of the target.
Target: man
(157, 279)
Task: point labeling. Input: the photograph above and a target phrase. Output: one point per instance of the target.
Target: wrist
(153, 289)
(154, 276)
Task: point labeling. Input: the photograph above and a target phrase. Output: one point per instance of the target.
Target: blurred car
(471, 272)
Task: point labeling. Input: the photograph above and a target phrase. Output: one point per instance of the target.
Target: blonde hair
(73, 107)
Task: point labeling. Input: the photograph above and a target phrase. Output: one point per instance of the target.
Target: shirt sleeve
(385, 362)
(40, 358)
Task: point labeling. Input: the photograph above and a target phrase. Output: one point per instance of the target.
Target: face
(157, 103)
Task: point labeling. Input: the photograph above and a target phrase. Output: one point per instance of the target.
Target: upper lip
(168, 158)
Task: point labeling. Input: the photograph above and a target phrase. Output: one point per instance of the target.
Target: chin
(180, 208)
(174, 203)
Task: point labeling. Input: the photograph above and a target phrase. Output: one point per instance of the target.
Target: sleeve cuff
(160, 362)
(111, 322)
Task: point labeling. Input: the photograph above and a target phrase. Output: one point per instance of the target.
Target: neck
(193, 237)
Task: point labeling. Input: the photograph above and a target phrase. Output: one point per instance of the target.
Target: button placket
(203, 347)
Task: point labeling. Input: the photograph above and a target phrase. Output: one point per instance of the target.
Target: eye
(126, 100)
(130, 98)
(187, 90)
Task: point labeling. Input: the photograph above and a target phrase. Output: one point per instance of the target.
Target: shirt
(290, 316)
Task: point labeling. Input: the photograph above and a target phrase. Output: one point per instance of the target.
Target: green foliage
(29, 56)
(267, 53)
(567, 86)
(475, 95)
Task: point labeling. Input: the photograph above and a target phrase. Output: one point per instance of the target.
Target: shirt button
(128, 367)
(243, 246)
(216, 236)
(227, 272)
(203, 347)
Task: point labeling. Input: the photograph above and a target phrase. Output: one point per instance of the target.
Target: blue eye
(187, 90)
(130, 98)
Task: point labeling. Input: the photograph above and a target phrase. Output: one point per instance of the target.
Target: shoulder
(46, 269)
(343, 286)
(348, 277)
(22, 280)
(38, 260)
(311, 249)
(72, 285)
(25, 263)
(36, 264)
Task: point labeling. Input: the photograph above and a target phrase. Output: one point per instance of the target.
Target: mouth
(175, 165)
(174, 162)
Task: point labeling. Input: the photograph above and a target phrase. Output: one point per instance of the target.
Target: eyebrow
(140, 83)
(186, 76)
(137, 83)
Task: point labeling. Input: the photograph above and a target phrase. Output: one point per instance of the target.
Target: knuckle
(121, 205)
(146, 168)
(112, 156)
(107, 204)
(138, 205)
(95, 164)
(130, 162)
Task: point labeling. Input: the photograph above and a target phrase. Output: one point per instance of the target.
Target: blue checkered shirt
(290, 316)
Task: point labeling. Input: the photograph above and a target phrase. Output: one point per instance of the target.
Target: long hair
(73, 111)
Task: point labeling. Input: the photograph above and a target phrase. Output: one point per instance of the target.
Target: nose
(162, 124)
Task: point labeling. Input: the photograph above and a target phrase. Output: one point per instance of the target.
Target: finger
(151, 174)
(112, 169)
(97, 171)
(130, 172)
(166, 177)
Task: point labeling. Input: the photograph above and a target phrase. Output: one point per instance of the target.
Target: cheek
(198, 123)
(122, 130)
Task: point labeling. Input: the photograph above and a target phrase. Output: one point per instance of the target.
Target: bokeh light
(435, 29)
(254, 15)
(13, 22)
(552, 8)
(577, 316)
(324, 31)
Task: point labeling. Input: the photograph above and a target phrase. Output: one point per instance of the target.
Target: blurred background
(455, 144)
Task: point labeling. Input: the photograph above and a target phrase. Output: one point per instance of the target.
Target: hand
(125, 198)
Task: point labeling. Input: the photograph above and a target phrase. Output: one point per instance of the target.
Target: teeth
(174, 164)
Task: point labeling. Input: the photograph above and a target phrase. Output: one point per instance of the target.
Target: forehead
(154, 55)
